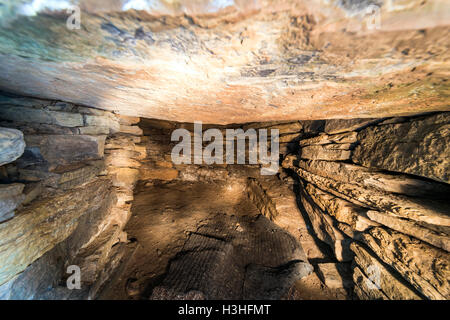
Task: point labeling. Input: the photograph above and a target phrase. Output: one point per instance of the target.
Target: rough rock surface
(425, 267)
(374, 179)
(325, 229)
(70, 212)
(335, 275)
(439, 237)
(330, 152)
(338, 125)
(59, 150)
(397, 222)
(423, 210)
(344, 211)
(277, 201)
(42, 225)
(12, 145)
(364, 288)
(191, 60)
(382, 278)
(346, 137)
(25, 114)
(417, 147)
(231, 265)
(43, 279)
(10, 198)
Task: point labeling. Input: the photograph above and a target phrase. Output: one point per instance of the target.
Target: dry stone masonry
(67, 179)
(363, 200)
(375, 192)
(225, 149)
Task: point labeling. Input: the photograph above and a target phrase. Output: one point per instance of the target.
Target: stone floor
(208, 241)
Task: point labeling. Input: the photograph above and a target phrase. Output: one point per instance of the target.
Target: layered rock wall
(158, 143)
(67, 179)
(375, 192)
(366, 198)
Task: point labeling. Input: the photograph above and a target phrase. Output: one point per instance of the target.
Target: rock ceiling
(225, 61)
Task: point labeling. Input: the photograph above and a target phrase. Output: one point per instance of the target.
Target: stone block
(12, 145)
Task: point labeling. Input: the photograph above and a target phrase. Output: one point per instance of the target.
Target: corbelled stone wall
(158, 164)
(375, 192)
(66, 183)
(365, 198)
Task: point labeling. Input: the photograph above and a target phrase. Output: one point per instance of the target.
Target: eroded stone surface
(424, 233)
(12, 145)
(235, 272)
(364, 288)
(10, 198)
(325, 229)
(320, 60)
(277, 201)
(25, 114)
(43, 279)
(344, 211)
(346, 137)
(62, 149)
(382, 278)
(335, 275)
(339, 126)
(330, 152)
(424, 210)
(374, 179)
(425, 267)
(417, 147)
(41, 226)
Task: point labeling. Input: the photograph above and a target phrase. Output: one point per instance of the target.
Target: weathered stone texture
(134, 130)
(419, 147)
(335, 275)
(216, 66)
(346, 137)
(425, 267)
(335, 126)
(364, 288)
(331, 152)
(62, 149)
(109, 122)
(25, 114)
(12, 145)
(42, 279)
(71, 215)
(374, 179)
(152, 172)
(325, 229)
(276, 200)
(283, 128)
(424, 210)
(127, 120)
(122, 158)
(10, 198)
(43, 224)
(344, 211)
(403, 219)
(424, 233)
(381, 277)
